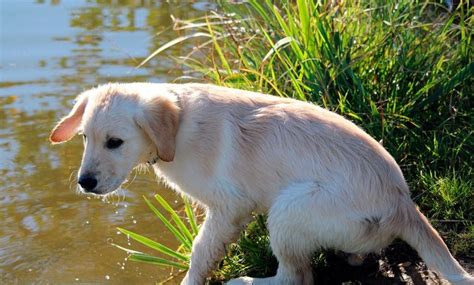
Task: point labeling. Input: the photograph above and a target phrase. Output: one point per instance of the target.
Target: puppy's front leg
(219, 229)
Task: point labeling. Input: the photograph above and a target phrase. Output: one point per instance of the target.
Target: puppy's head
(121, 127)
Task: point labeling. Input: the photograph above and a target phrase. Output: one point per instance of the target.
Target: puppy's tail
(420, 235)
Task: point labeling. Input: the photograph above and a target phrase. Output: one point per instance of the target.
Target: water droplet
(107, 277)
(125, 205)
(77, 279)
(134, 221)
(29, 269)
(118, 232)
(123, 267)
(87, 222)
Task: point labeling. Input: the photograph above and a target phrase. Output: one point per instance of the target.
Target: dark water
(49, 52)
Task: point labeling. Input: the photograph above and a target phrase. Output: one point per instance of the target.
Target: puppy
(322, 181)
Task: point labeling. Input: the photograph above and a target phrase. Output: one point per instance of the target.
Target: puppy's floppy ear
(160, 121)
(68, 126)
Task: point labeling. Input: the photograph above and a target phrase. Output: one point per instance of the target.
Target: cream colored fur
(323, 182)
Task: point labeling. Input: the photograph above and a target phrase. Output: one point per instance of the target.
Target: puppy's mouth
(97, 191)
(101, 190)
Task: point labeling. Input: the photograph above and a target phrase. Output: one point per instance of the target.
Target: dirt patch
(397, 264)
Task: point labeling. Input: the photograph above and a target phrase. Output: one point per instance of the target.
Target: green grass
(184, 229)
(449, 197)
(402, 70)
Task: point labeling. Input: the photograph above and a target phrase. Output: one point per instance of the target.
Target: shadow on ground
(397, 264)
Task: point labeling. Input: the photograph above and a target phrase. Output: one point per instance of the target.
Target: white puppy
(323, 182)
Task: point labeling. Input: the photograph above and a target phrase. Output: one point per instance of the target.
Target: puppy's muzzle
(88, 182)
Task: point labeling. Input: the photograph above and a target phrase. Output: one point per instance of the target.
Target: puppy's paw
(241, 281)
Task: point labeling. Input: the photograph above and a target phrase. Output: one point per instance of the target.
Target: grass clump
(251, 256)
(402, 70)
(184, 229)
(449, 198)
(463, 243)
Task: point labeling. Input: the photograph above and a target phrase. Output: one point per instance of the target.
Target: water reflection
(49, 52)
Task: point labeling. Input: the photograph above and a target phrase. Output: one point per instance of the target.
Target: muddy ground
(397, 264)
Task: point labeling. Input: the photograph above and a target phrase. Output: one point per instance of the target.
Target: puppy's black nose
(87, 182)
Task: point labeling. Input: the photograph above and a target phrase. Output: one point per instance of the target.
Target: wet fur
(323, 182)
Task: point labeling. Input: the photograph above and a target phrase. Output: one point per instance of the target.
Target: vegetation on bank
(402, 70)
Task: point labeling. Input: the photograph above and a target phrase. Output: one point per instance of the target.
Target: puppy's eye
(113, 143)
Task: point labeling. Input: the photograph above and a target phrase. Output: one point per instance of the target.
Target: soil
(397, 264)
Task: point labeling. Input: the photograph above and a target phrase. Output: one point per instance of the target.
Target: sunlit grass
(402, 70)
(449, 197)
(184, 229)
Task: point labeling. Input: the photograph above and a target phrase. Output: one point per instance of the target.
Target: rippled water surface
(49, 52)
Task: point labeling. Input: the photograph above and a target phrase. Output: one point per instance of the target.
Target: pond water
(49, 52)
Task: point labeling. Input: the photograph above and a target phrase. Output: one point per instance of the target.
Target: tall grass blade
(154, 245)
(156, 260)
(218, 49)
(174, 216)
(278, 45)
(191, 217)
(172, 43)
(181, 237)
(143, 257)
